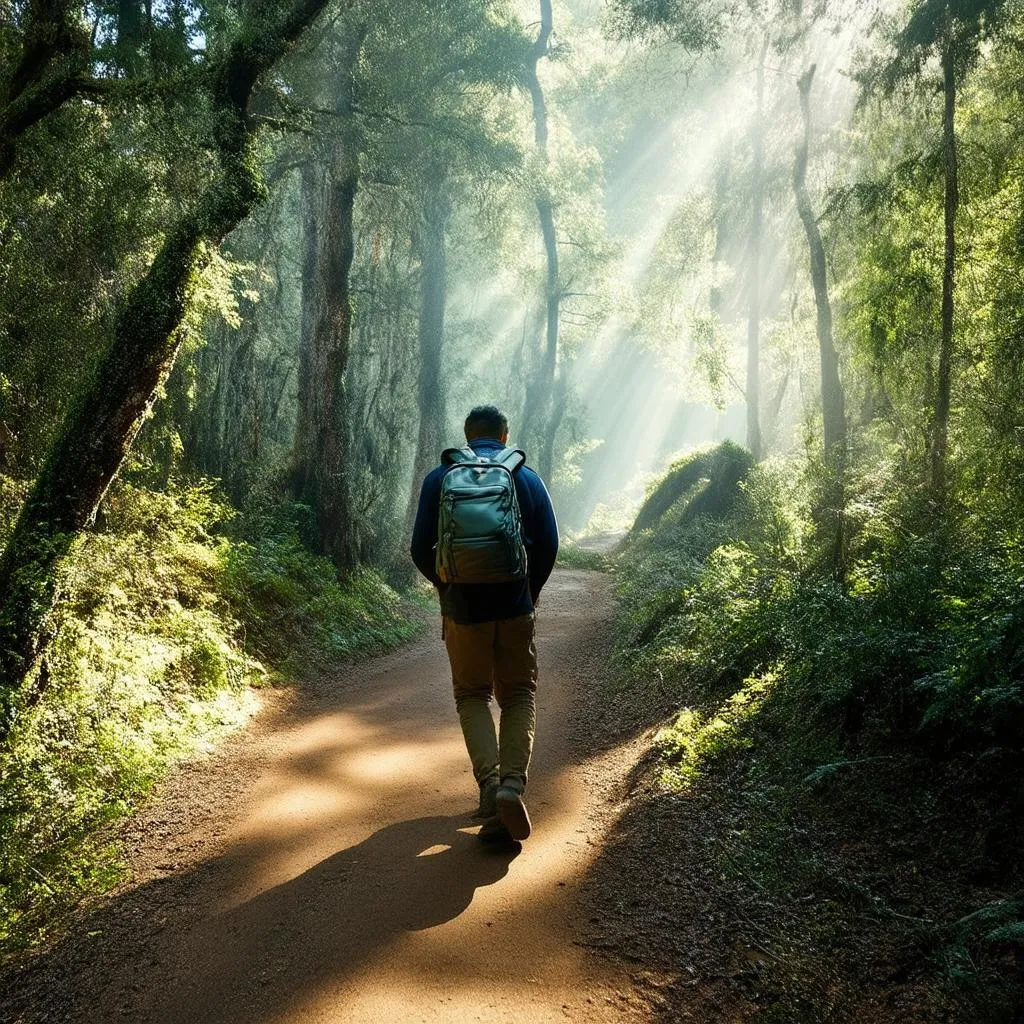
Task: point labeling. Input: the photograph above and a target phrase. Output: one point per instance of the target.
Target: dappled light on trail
(350, 885)
(725, 299)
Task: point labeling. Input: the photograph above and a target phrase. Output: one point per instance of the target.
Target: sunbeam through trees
(746, 278)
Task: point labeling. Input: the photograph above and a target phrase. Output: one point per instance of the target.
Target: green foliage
(572, 556)
(179, 607)
(851, 722)
(922, 638)
(694, 25)
(934, 25)
(296, 610)
(694, 609)
(722, 468)
(693, 737)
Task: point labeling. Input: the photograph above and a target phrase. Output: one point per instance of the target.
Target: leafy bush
(173, 618)
(859, 729)
(719, 469)
(572, 556)
(921, 638)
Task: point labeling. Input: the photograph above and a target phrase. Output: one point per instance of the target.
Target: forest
(747, 278)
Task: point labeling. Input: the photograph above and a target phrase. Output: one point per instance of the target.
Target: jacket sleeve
(544, 531)
(424, 532)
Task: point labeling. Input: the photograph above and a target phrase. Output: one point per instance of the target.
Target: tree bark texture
(832, 400)
(311, 186)
(538, 412)
(321, 456)
(430, 391)
(99, 432)
(753, 389)
(321, 450)
(940, 427)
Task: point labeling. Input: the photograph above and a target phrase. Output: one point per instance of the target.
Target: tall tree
(321, 441)
(950, 30)
(147, 336)
(753, 382)
(540, 391)
(431, 245)
(832, 401)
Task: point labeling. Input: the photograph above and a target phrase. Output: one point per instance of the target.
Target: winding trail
(322, 866)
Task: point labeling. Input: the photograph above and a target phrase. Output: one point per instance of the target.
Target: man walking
(486, 537)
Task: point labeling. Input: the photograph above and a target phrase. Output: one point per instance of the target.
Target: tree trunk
(832, 401)
(321, 479)
(754, 284)
(311, 186)
(770, 424)
(97, 435)
(537, 416)
(129, 34)
(322, 439)
(722, 175)
(559, 404)
(433, 284)
(940, 428)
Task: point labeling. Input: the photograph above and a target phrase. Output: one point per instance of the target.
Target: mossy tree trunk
(321, 449)
(321, 479)
(99, 432)
(311, 185)
(52, 68)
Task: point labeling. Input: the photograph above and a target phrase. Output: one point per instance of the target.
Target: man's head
(487, 421)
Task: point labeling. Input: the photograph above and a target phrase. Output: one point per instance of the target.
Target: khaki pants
(496, 659)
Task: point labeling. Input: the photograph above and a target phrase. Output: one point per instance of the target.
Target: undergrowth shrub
(871, 715)
(572, 556)
(920, 640)
(179, 606)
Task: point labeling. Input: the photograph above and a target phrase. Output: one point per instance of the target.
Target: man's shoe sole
(512, 814)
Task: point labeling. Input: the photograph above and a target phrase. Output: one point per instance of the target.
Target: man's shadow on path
(251, 963)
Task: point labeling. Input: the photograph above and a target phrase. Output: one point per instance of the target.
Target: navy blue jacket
(486, 602)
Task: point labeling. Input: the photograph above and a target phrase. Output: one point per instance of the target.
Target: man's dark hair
(486, 421)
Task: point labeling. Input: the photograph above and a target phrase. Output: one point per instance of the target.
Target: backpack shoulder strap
(458, 456)
(511, 458)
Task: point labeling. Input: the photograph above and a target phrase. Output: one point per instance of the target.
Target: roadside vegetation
(181, 608)
(257, 262)
(849, 742)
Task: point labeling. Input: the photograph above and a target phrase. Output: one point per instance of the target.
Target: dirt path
(323, 867)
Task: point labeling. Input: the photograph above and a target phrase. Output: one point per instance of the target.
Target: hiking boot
(495, 834)
(488, 797)
(511, 809)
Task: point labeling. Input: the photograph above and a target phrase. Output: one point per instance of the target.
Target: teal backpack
(479, 534)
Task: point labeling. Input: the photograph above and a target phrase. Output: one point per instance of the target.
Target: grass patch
(572, 556)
